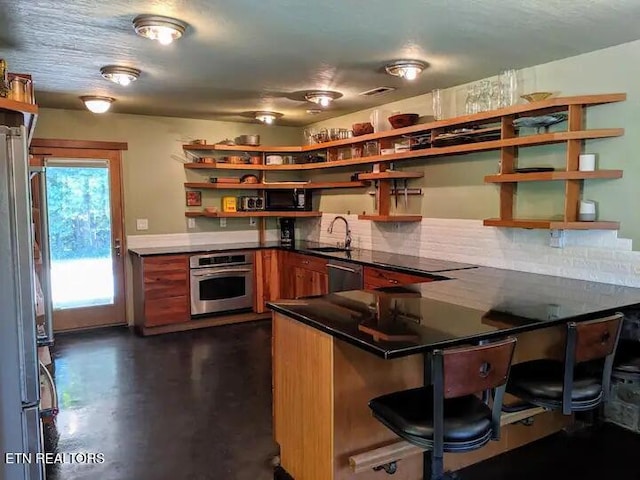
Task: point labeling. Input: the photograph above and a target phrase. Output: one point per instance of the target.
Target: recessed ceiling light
(97, 104)
(407, 69)
(120, 75)
(314, 111)
(162, 29)
(268, 117)
(322, 97)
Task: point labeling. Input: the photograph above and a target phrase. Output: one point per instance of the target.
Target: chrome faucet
(347, 237)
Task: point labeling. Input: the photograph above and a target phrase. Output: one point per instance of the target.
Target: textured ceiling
(245, 55)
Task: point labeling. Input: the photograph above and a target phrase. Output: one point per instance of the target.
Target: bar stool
(447, 416)
(582, 381)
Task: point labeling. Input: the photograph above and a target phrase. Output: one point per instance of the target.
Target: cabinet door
(310, 282)
(166, 290)
(267, 281)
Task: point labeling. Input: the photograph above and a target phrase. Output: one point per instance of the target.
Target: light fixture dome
(120, 75)
(322, 97)
(407, 69)
(162, 29)
(268, 117)
(97, 104)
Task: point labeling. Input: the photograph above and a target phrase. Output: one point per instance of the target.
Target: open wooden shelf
(391, 218)
(538, 139)
(29, 112)
(549, 105)
(275, 185)
(390, 175)
(258, 213)
(546, 176)
(551, 224)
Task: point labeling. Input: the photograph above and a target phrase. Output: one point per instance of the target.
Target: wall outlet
(191, 223)
(223, 222)
(142, 224)
(557, 238)
(252, 221)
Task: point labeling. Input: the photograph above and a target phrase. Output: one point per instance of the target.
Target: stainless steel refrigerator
(20, 415)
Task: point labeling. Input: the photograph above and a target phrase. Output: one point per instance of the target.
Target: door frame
(64, 319)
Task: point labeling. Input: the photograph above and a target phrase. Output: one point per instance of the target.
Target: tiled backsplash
(597, 255)
(202, 238)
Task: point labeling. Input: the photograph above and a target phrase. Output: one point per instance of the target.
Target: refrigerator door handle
(45, 252)
(20, 225)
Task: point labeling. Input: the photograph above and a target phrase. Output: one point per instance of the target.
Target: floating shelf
(551, 224)
(275, 185)
(259, 213)
(530, 140)
(546, 176)
(549, 105)
(29, 112)
(390, 175)
(391, 218)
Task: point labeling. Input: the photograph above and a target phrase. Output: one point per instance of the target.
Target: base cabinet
(303, 276)
(267, 279)
(161, 290)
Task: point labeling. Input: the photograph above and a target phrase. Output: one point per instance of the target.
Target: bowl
(362, 129)
(536, 96)
(403, 120)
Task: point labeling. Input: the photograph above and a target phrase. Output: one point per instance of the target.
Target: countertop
(401, 263)
(472, 305)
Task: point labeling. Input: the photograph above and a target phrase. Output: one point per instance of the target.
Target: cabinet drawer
(164, 311)
(376, 278)
(308, 262)
(161, 264)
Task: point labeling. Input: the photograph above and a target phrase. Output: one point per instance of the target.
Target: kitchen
(450, 208)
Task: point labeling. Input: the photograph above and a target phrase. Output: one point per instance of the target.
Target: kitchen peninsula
(334, 353)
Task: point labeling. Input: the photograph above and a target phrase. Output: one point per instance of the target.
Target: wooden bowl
(362, 129)
(403, 120)
(536, 96)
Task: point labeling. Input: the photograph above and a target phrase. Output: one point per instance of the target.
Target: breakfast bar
(332, 354)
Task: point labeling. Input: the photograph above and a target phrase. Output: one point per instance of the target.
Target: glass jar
(20, 89)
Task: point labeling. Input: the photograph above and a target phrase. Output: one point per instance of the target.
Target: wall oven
(221, 283)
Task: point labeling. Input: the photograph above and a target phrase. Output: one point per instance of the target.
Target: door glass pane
(79, 213)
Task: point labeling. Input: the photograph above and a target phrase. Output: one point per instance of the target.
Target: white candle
(587, 162)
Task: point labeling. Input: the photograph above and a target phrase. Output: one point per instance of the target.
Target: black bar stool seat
(409, 414)
(542, 381)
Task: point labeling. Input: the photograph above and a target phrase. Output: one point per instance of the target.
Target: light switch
(142, 224)
(223, 222)
(191, 223)
(252, 221)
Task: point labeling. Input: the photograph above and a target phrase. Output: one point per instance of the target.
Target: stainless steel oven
(221, 283)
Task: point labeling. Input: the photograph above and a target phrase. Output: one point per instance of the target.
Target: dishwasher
(344, 276)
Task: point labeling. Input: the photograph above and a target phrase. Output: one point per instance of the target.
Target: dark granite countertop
(473, 305)
(401, 263)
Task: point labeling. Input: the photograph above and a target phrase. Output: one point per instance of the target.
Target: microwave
(286, 200)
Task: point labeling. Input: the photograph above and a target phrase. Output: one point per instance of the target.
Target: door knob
(117, 247)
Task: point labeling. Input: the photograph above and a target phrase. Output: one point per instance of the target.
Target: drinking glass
(436, 97)
(509, 80)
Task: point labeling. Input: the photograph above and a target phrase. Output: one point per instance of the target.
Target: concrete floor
(186, 406)
(197, 405)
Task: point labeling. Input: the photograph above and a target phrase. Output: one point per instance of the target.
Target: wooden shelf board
(19, 107)
(275, 185)
(391, 218)
(551, 224)
(546, 176)
(544, 106)
(243, 148)
(390, 175)
(538, 139)
(259, 213)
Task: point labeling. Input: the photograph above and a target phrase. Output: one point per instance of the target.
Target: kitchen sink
(328, 249)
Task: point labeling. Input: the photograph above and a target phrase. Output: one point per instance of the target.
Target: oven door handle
(221, 272)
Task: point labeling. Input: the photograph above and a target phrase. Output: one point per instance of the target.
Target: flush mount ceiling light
(268, 117)
(155, 27)
(407, 69)
(322, 97)
(97, 104)
(120, 75)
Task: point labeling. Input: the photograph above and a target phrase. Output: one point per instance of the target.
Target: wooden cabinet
(378, 278)
(303, 275)
(267, 278)
(161, 290)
